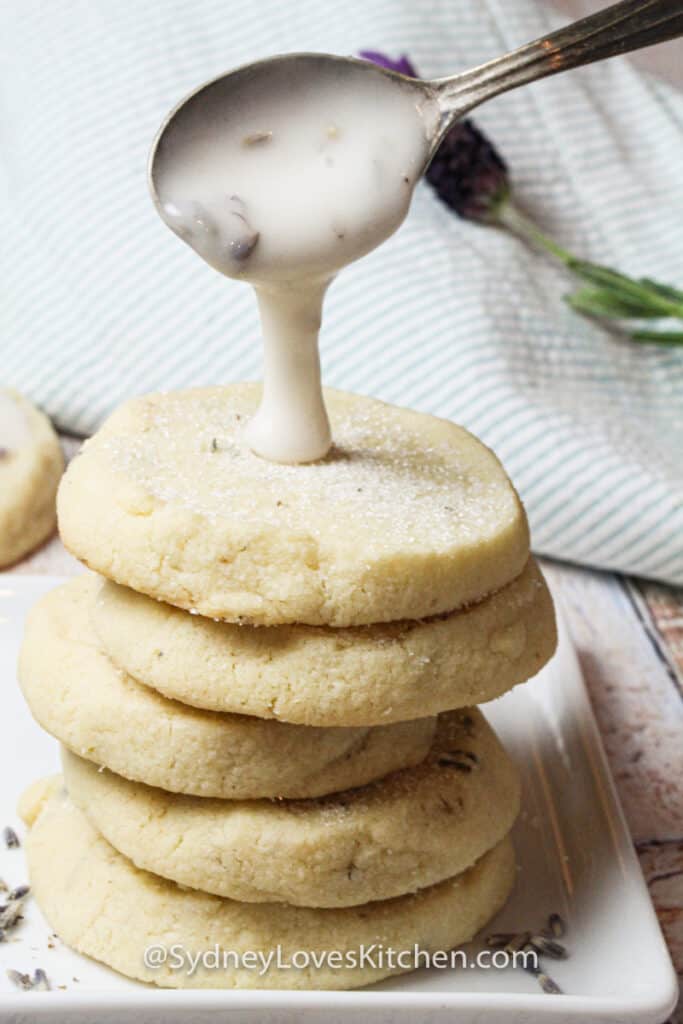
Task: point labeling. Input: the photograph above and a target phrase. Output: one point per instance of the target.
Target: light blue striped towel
(101, 302)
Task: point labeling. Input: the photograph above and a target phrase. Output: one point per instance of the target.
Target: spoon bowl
(620, 28)
(291, 136)
(211, 105)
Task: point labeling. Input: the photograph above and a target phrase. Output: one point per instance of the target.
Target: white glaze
(15, 432)
(282, 182)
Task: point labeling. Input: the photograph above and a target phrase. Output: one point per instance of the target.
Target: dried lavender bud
(242, 248)
(40, 981)
(499, 939)
(548, 947)
(10, 912)
(11, 838)
(518, 942)
(454, 761)
(27, 983)
(549, 986)
(242, 245)
(467, 755)
(466, 723)
(556, 926)
(22, 981)
(542, 943)
(351, 871)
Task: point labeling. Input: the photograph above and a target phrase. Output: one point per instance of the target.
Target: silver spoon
(629, 25)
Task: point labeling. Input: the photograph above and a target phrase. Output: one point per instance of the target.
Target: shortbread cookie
(409, 515)
(31, 464)
(79, 696)
(103, 906)
(402, 833)
(313, 675)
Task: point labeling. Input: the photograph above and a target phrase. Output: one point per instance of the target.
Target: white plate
(575, 857)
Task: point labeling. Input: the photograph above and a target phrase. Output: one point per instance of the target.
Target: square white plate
(574, 852)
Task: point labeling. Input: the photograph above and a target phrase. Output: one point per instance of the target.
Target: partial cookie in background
(101, 905)
(402, 833)
(31, 464)
(313, 675)
(409, 516)
(76, 693)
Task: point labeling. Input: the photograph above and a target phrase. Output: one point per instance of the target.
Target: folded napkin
(101, 302)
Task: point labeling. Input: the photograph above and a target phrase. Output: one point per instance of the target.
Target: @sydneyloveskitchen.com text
(375, 956)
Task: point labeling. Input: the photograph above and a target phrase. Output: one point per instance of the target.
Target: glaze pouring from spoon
(280, 175)
(282, 172)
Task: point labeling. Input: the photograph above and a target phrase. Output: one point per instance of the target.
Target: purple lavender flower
(469, 174)
(403, 65)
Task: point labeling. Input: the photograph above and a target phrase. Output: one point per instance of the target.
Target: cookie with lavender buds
(101, 905)
(402, 833)
(314, 675)
(31, 465)
(82, 699)
(408, 516)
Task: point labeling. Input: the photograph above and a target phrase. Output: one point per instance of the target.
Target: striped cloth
(101, 302)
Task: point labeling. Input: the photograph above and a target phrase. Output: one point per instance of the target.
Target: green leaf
(660, 337)
(665, 290)
(603, 302)
(613, 295)
(649, 302)
(598, 274)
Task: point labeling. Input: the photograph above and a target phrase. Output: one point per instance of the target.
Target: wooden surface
(629, 638)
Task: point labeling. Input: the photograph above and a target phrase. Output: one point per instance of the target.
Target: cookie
(402, 833)
(409, 516)
(314, 675)
(101, 905)
(79, 696)
(31, 465)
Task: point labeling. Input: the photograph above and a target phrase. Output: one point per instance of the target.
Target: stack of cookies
(265, 694)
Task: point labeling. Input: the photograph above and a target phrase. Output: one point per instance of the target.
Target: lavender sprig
(607, 294)
(471, 177)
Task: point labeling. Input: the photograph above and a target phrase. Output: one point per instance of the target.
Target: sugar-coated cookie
(315, 675)
(409, 516)
(404, 832)
(101, 905)
(78, 695)
(31, 464)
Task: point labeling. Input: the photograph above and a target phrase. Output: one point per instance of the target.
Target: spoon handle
(625, 26)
